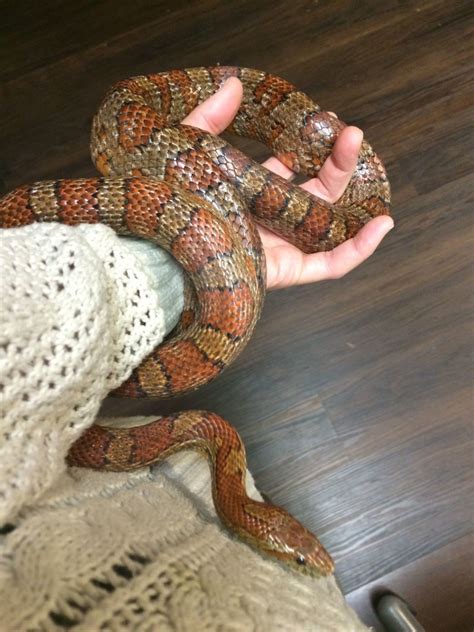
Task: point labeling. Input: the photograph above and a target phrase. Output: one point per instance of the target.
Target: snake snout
(311, 557)
(298, 547)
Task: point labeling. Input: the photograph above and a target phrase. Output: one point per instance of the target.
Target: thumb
(217, 112)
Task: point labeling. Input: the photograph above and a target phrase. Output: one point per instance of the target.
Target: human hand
(286, 264)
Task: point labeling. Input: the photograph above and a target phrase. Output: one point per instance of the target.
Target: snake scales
(190, 192)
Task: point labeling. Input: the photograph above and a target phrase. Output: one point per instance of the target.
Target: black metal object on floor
(396, 615)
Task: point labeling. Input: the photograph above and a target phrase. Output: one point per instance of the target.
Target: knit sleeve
(78, 312)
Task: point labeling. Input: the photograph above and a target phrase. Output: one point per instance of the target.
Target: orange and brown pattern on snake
(272, 91)
(78, 201)
(15, 208)
(307, 146)
(137, 123)
(193, 169)
(215, 243)
(269, 527)
(234, 319)
(219, 248)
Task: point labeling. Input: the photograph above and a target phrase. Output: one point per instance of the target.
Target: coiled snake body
(190, 192)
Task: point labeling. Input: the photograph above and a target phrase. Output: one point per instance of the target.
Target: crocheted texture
(89, 550)
(145, 551)
(78, 313)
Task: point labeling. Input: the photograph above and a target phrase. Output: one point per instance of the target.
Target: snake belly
(198, 197)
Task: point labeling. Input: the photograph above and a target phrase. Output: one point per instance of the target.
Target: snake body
(191, 192)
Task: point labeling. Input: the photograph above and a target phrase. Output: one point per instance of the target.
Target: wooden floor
(354, 397)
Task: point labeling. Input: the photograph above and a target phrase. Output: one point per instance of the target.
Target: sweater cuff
(165, 276)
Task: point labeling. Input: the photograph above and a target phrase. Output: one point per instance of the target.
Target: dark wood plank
(37, 34)
(354, 397)
(61, 117)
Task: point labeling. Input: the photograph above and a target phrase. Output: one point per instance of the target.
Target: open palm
(286, 264)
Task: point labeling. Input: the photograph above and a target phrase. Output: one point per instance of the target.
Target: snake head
(299, 548)
(289, 541)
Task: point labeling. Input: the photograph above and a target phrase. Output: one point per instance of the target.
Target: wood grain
(354, 397)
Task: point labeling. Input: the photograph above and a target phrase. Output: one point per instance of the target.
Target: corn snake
(185, 190)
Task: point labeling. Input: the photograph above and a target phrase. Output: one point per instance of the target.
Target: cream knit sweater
(90, 551)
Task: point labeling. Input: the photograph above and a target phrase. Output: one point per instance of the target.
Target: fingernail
(224, 83)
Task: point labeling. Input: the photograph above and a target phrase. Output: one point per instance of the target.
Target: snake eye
(300, 560)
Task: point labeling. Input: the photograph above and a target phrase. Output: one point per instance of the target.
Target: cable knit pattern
(90, 551)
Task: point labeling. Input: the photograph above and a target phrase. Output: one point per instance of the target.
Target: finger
(274, 165)
(217, 112)
(338, 262)
(337, 170)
